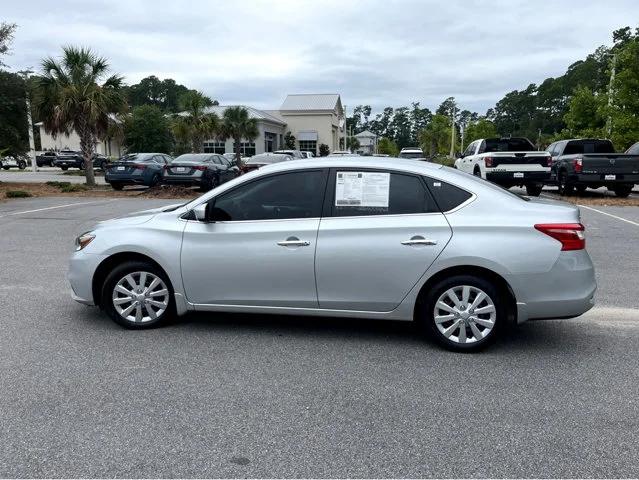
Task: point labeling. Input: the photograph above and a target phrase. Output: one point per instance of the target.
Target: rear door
(380, 232)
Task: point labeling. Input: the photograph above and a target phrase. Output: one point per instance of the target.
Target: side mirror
(200, 212)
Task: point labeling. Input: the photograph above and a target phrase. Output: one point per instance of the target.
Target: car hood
(137, 218)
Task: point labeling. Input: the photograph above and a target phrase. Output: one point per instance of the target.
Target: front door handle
(294, 242)
(419, 240)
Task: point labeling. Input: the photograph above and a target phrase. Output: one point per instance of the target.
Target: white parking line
(51, 208)
(611, 215)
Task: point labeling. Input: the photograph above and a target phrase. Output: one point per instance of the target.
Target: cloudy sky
(376, 52)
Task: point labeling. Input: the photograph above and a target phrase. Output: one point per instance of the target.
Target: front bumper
(82, 267)
(565, 291)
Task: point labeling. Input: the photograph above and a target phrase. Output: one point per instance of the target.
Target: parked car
(357, 237)
(292, 153)
(263, 159)
(205, 170)
(592, 163)
(14, 162)
(137, 169)
(508, 162)
(308, 154)
(71, 159)
(412, 152)
(46, 159)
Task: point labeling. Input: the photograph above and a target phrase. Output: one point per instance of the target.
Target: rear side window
(396, 194)
(446, 195)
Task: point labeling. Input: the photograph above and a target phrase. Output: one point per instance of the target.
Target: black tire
(565, 187)
(155, 180)
(534, 190)
(622, 191)
(477, 172)
(64, 168)
(22, 165)
(120, 272)
(81, 165)
(117, 186)
(5, 168)
(581, 189)
(426, 312)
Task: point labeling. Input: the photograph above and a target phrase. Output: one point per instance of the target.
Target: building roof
(253, 113)
(366, 133)
(312, 101)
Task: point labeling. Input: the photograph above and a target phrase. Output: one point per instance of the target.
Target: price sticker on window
(362, 189)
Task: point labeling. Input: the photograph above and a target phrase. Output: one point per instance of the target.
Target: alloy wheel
(140, 297)
(465, 314)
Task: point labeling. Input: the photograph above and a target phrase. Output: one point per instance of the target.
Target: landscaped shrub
(59, 184)
(73, 188)
(17, 194)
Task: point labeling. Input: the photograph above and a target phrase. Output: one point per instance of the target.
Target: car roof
(354, 161)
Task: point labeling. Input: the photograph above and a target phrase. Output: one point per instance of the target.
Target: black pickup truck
(70, 159)
(592, 163)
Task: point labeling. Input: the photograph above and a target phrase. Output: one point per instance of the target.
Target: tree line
(596, 97)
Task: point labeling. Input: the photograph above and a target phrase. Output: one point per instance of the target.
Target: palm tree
(70, 98)
(237, 124)
(195, 124)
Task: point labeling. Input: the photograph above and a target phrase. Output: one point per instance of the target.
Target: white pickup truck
(508, 162)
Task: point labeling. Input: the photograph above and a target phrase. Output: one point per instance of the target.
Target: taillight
(200, 167)
(139, 166)
(488, 161)
(578, 165)
(571, 235)
(549, 161)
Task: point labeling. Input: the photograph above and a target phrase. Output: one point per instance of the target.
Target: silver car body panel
(224, 266)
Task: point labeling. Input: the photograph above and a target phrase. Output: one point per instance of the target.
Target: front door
(262, 250)
(382, 235)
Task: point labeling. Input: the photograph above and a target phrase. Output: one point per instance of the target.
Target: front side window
(379, 193)
(278, 197)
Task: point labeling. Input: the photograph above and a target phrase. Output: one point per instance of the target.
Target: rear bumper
(125, 179)
(182, 180)
(509, 178)
(567, 290)
(600, 178)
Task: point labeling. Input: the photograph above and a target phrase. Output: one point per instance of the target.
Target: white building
(313, 119)
(367, 142)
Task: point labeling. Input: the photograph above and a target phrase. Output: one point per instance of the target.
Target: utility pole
(610, 92)
(32, 155)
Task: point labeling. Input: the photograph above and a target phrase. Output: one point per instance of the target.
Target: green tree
(482, 128)
(400, 127)
(195, 124)
(419, 119)
(624, 111)
(324, 150)
(147, 130)
(585, 114)
(435, 138)
(14, 136)
(165, 94)
(352, 143)
(71, 97)
(238, 125)
(289, 141)
(6, 37)
(386, 146)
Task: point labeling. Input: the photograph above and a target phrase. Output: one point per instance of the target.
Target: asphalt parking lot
(268, 396)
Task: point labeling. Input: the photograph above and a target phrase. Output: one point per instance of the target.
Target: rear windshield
(192, 158)
(589, 146)
(268, 158)
(411, 155)
(134, 157)
(508, 145)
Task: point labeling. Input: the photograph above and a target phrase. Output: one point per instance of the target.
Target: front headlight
(83, 240)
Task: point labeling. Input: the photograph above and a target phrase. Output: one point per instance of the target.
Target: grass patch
(17, 194)
(446, 161)
(58, 184)
(71, 188)
(80, 173)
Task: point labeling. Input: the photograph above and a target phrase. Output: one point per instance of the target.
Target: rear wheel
(534, 190)
(138, 295)
(82, 165)
(64, 168)
(581, 189)
(5, 168)
(117, 186)
(477, 172)
(463, 312)
(565, 187)
(155, 180)
(622, 191)
(22, 165)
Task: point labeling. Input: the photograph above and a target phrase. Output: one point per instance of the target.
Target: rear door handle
(419, 240)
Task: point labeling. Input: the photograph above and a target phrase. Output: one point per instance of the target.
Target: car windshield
(192, 158)
(589, 146)
(508, 145)
(263, 159)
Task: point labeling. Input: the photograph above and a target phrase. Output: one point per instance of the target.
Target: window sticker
(362, 189)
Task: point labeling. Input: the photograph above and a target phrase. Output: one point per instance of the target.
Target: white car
(307, 154)
(13, 162)
(412, 152)
(507, 162)
(342, 153)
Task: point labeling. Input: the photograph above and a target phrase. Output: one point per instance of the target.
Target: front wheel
(155, 180)
(477, 172)
(117, 186)
(622, 191)
(463, 312)
(565, 188)
(22, 165)
(534, 190)
(137, 295)
(64, 169)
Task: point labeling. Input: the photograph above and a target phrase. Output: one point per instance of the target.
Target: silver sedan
(363, 237)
